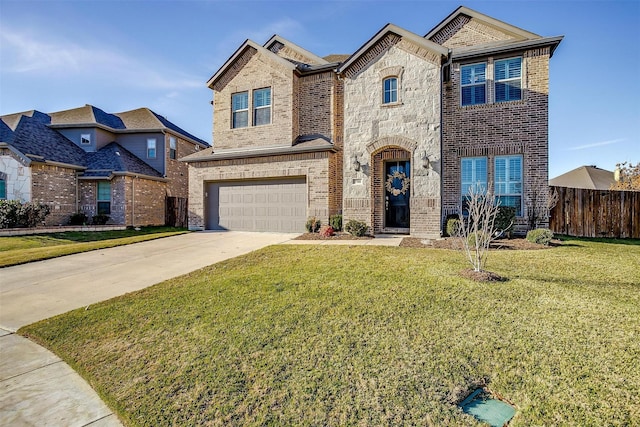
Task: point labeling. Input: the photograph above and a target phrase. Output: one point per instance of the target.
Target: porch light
(355, 163)
(425, 160)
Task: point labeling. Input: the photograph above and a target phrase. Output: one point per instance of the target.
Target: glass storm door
(397, 192)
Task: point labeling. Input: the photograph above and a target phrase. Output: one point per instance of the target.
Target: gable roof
(516, 32)
(590, 177)
(276, 42)
(392, 29)
(86, 115)
(34, 140)
(115, 158)
(247, 45)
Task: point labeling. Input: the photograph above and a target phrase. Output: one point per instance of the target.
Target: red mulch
(456, 244)
(338, 236)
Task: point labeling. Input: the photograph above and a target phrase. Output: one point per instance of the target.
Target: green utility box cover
(492, 411)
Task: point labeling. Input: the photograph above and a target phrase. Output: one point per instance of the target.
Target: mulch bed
(456, 244)
(337, 236)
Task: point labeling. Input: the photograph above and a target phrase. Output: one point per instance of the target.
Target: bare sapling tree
(477, 230)
(541, 201)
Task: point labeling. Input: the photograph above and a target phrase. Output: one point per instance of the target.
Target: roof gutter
(553, 42)
(272, 151)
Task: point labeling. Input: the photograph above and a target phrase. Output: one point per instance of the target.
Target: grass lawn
(36, 247)
(335, 335)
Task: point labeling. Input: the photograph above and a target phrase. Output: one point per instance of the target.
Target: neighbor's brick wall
(412, 124)
(256, 71)
(519, 127)
(177, 171)
(54, 186)
(314, 166)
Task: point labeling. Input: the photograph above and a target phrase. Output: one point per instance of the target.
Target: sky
(120, 55)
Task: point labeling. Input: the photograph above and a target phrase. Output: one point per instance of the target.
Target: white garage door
(265, 205)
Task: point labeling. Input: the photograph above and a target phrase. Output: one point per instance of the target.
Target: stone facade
(16, 175)
(374, 132)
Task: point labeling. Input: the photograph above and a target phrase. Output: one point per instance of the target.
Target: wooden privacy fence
(176, 212)
(596, 213)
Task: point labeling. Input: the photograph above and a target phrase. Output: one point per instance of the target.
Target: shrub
(14, 213)
(356, 228)
(100, 219)
(313, 224)
(9, 213)
(541, 236)
(452, 225)
(505, 219)
(78, 219)
(326, 231)
(335, 221)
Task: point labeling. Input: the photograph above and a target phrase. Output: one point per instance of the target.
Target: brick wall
(259, 71)
(177, 171)
(508, 128)
(54, 186)
(314, 166)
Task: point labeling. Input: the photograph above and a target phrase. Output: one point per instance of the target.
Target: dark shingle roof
(33, 137)
(106, 119)
(166, 123)
(6, 134)
(115, 158)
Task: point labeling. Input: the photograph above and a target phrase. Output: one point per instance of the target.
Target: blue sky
(121, 55)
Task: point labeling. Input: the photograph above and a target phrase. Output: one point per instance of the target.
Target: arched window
(390, 90)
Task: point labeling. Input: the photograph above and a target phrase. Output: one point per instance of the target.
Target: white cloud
(24, 52)
(595, 144)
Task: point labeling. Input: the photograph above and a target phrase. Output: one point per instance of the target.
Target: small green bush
(356, 228)
(78, 219)
(335, 221)
(452, 225)
(14, 213)
(313, 224)
(505, 219)
(100, 219)
(541, 236)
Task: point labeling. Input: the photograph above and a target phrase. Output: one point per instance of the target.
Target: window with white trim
(508, 181)
(151, 148)
(104, 198)
(172, 147)
(390, 90)
(85, 139)
(240, 110)
(473, 175)
(508, 79)
(262, 106)
(473, 84)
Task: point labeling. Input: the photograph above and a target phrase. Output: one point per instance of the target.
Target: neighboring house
(85, 160)
(393, 135)
(589, 177)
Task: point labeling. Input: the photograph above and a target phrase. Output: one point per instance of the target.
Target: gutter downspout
(133, 201)
(442, 85)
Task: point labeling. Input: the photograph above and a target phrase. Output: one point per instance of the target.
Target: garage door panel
(270, 205)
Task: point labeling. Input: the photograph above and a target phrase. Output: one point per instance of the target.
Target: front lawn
(36, 247)
(336, 335)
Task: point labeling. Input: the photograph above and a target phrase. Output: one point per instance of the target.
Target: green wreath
(394, 190)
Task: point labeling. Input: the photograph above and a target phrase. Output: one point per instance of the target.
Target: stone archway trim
(387, 141)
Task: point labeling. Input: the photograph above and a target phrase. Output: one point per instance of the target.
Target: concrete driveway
(36, 387)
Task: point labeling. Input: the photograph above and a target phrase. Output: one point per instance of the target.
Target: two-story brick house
(85, 160)
(394, 135)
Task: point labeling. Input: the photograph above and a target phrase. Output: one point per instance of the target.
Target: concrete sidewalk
(36, 387)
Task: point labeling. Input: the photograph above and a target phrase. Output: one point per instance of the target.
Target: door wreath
(403, 180)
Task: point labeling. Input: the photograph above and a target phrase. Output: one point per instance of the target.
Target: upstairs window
(151, 148)
(474, 84)
(508, 182)
(508, 80)
(104, 198)
(390, 90)
(473, 176)
(240, 110)
(262, 107)
(172, 147)
(85, 139)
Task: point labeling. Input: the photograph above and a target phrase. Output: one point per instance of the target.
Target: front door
(397, 193)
